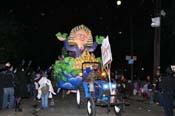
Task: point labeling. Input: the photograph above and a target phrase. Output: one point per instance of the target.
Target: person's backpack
(45, 89)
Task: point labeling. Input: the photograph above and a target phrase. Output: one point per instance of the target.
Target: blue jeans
(8, 97)
(44, 100)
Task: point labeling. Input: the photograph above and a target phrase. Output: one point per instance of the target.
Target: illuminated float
(81, 44)
(79, 73)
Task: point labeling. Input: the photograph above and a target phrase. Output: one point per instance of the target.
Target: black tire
(80, 96)
(91, 110)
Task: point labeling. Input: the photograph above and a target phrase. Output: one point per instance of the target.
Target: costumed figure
(75, 51)
(80, 38)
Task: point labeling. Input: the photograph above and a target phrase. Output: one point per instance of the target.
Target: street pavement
(67, 107)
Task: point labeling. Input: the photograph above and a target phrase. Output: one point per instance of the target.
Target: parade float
(68, 69)
(75, 72)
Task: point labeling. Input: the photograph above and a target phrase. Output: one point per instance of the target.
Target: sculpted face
(80, 38)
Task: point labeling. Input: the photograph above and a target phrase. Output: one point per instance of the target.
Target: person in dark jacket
(167, 88)
(8, 88)
(21, 85)
(2, 74)
(19, 88)
(1, 88)
(156, 88)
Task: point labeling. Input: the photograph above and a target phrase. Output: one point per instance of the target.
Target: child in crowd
(45, 90)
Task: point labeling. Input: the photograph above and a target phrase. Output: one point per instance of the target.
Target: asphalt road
(67, 107)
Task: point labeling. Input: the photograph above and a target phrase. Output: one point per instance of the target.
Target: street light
(119, 2)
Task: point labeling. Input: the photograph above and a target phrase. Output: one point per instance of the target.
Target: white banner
(106, 51)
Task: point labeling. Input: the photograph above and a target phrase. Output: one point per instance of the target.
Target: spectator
(2, 74)
(45, 90)
(123, 83)
(1, 88)
(8, 88)
(167, 90)
(147, 89)
(36, 85)
(158, 78)
(19, 88)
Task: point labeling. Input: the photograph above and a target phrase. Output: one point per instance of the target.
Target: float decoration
(80, 42)
(65, 75)
(99, 39)
(85, 57)
(59, 35)
(80, 38)
(64, 67)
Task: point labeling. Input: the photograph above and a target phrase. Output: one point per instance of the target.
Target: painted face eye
(81, 37)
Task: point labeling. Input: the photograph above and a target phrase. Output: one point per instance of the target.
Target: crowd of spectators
(20, 83)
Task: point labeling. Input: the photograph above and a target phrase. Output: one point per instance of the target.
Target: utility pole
(131, 43)
(157, 37)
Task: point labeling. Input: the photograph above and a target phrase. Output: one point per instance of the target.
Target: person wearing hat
(45, 90)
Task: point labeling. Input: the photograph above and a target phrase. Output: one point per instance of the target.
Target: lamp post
(131, 43)
(157, 36)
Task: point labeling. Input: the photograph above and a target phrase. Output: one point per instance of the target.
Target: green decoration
(66, 66)
(58, 70)
(99, 39)
(64, 35)
(64, 53)
(75, 72)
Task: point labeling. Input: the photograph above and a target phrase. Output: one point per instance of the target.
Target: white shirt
(41, 83)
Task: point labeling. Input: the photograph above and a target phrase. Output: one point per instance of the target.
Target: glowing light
(105, 86)
(103, 74)
(80, 74)
(119, 2)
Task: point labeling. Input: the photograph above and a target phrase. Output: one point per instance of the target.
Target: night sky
(33, 25)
